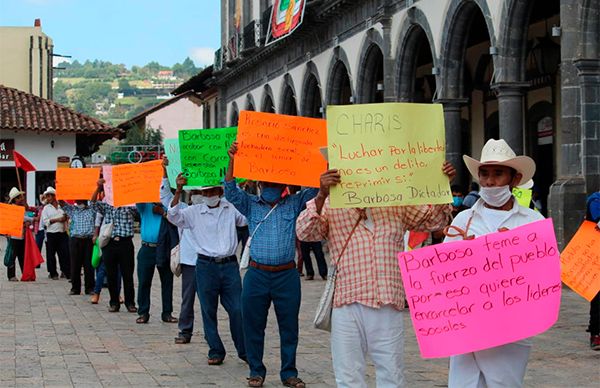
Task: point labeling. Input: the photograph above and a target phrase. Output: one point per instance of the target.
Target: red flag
(22, 162)
(33, 257)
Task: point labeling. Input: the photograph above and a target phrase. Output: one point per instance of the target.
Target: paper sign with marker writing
(523, 196)
(280, 148)
(174, 167)
(108, 187)
(388, 154)
(135, 183)
(204, 157)
(505, 283)
(580, 261)
(11, 220)
(76, 183)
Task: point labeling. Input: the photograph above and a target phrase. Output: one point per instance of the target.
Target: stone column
(588, 71)
(454, 151)
(510, 112)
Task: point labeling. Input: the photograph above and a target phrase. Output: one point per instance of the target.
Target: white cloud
(202, 56)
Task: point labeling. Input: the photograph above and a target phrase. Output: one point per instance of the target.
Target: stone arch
(414, 28)
(250, 105)
(268, 102)
(235, 113)
(370, 68)
(288, 105)
(590, 40)
(512, 40)
(311, 103)
(456, 32)
(339, 79)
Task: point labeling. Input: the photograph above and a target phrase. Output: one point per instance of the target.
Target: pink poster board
(471, 295)
(108, 187)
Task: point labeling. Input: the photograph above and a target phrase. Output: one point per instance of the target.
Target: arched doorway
(339, 84)
(288, 98)
(268, 104)
(233, 120)
(312, 103)
(250, 102)
(371, 76)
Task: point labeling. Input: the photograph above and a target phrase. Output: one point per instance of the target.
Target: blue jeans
(40, 236)
(146, 265)
(100, 275)
(214, 281)
(283, 289)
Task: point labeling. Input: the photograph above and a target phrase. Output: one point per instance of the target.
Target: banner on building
(286, 16)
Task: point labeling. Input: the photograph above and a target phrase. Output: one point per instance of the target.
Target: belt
(119, 238)
(272, 268)
(82, 237)
(151, 245)
(218, 260)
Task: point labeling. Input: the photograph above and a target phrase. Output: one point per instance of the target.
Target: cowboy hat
(50, 190)
(14, 193)
(499, 153)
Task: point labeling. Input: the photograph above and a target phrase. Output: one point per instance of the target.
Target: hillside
(113, 93)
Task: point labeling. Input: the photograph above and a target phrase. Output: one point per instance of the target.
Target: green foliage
(137, 136)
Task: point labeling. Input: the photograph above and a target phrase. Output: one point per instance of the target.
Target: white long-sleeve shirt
(49, 213)
(213, 229)
(187, 253)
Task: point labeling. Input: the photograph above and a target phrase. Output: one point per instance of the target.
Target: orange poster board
(580, 261)
(136, 183)
(280, 148)
(76, 183)
(11, 219)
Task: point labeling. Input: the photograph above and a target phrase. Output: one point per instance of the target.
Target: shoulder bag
(322, 319)
(245, 260)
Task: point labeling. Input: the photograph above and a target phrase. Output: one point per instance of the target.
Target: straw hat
(499, 153)
(14, 193)
(50, 190)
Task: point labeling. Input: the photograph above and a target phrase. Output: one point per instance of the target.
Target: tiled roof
(24, 111)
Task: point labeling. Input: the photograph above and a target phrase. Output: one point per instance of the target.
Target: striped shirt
(121, 217)
(368, 273)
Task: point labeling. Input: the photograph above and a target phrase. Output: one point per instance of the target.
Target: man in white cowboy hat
(54, 220)
(498, 172)
(17, 197)
(214, 238)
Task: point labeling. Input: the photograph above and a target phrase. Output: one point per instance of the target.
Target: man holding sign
(498, 172)
(368, 296)
(272, 276)
(16, 197)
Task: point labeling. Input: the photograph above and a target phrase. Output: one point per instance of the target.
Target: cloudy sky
(133, 32)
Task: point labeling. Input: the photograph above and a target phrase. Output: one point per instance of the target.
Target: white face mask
(495, 196)
(212, 201)
(197, 199)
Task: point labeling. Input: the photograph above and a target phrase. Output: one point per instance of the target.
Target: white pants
(357, 330)
(502, 366)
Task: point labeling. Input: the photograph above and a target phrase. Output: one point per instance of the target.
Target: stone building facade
(527, 71)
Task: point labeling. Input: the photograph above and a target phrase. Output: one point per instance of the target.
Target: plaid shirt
(275, 241)
(121, 217)
(82, 220)
(368, 272)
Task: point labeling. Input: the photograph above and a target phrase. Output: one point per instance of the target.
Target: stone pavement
(48, 338)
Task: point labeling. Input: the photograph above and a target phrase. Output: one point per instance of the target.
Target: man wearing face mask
(213, 236)
(17, 197)
(81, 244)
(498, 172)
(272, 274)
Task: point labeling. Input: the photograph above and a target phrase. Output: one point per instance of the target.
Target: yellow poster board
(388, 154)
(523, 196)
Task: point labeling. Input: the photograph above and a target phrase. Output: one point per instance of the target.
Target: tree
(137, 136)
(59, 92)
(186, 69)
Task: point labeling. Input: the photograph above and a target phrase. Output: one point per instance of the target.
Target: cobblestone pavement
(48, 338)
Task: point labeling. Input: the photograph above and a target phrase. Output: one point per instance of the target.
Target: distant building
(189, 109)
(165, 75)
(26, 59)
(42, 131)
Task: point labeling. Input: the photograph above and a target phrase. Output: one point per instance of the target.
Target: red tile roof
(24, 111)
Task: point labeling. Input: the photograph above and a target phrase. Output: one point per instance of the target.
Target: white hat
(527, 185)
(14, 193)
(498, 153)
(201, 188)
(50, 190)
